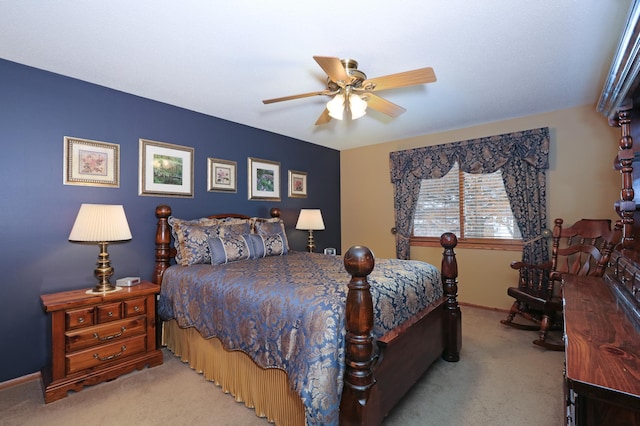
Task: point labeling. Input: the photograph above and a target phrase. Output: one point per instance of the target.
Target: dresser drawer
(79, 318)
(109, 332)
(109, 312)
(105, 354)
(134, 307)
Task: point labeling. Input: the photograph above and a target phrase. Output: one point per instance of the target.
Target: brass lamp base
(104, 271)
(310, 244)
(99, 290)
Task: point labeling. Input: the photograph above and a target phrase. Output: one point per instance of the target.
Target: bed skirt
(266, 390)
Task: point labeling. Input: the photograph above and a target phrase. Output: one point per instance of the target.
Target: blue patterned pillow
(179, 237)
(255, 220)
(234, 230)
(228, 249)
(194, 244)
(271, 245)
(271, 227)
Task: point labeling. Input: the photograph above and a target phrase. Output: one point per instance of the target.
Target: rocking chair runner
(581, 249)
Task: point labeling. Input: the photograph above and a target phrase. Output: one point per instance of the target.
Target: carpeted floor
(501, 379)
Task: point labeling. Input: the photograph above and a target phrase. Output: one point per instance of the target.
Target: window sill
(471, 243)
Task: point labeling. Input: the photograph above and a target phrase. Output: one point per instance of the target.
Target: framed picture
(165, 169)
(221, 175)
(297, 184)
(91, 163)
(264, 180)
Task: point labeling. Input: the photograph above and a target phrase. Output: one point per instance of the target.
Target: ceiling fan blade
(383, 105)
(324, 117)
(402, 79)
(333, 67)
(302, 95)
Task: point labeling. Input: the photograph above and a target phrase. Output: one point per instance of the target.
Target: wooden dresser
(602, 358)
(98, 337)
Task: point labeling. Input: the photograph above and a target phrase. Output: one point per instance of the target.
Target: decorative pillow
(271, 245)
(185, 240)
(256, 245)
(234, 221)
(194, 244)
(234, 230)
(203, 221)
(255, 220)
(270, 227)
(229, 249)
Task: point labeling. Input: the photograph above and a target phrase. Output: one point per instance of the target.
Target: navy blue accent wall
(37, 211)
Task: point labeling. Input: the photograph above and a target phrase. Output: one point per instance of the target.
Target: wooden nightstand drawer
(109, 312)
(100, 334)
(79, 318)
(104, 354)
(134, 307)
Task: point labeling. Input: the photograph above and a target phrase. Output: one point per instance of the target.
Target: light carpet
(501, 379)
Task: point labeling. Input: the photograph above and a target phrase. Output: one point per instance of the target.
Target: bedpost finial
(275, 212)
(448, 240)
(163, 210)
(359, 261)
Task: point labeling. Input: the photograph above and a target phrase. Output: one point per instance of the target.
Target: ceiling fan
(353, 92)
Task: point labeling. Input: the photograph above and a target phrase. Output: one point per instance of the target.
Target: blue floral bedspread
(288, 312)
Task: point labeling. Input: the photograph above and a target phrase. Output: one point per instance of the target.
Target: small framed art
(221, 175)
(297, 184)
(165, 169)
(264, 179)
(91, 163)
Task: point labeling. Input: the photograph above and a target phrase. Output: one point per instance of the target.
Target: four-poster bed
(380, 359)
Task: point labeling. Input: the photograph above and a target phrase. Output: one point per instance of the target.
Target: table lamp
(310, 220)
(101, 223)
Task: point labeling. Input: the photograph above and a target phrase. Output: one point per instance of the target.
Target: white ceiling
(494, 60)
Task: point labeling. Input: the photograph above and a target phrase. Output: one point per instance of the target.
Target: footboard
(376, 380)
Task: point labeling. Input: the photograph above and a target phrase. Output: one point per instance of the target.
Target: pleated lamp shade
(100, 222)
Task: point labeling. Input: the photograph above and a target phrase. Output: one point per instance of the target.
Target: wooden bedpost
(163, 243)
(453, 316)
(275, 212)
(359, 346)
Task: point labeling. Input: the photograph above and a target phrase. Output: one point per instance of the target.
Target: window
(473, 206)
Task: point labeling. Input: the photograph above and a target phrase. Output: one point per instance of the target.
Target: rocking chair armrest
(555, 276)
(517, 265)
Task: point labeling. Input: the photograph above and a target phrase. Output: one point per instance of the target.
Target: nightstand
(98, 337)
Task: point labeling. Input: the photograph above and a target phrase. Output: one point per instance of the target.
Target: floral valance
(481, 155)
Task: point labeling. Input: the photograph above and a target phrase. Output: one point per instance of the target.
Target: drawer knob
(81, 320)
(112, 336)
(136, 308)
(110, 314)
(110, 357)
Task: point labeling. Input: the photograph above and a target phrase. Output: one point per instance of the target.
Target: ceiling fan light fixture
(336, 106)
(345, 79)
(357, 106)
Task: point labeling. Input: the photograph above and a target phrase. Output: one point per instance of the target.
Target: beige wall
(581, 184)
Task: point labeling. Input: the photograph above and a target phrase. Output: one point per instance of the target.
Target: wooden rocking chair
(581, 249)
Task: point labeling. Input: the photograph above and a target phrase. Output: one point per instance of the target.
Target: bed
(319, 339)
